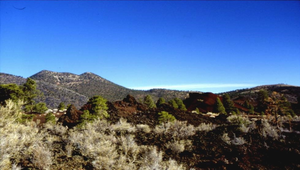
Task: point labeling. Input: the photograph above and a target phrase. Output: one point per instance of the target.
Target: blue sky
(196, 45)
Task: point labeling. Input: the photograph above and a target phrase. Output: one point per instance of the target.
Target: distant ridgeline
(78, 89)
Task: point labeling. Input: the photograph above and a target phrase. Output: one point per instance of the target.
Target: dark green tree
(180, 104)
(228, 104)
(85, 118)
(30, 92)
(284, 106)
(40, 107)
(262, 101)
(219, 108)
(149, 102)
(160, 101)
(249, 107)
(10, 91)
(61, 106)
(173, 104)
(98, 107)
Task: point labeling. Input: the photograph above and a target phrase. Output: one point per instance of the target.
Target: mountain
(53, 94)
(77, 89)
(289, 91)
(87, 84)
(8, 78)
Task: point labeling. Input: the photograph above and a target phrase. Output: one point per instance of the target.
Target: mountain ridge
(67, 87)
(78, 88)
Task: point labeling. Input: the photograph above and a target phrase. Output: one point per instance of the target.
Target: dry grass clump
(176, 129)
(11, 112)
(179, 146)
(153, 159)
(143, 128)
(268, 130)
(296, 118)
(123, 126)
(206, 127)
(238, 120)
(234, 141)
(19, 141)
(109, 149)
(41, 156)
(181, 130)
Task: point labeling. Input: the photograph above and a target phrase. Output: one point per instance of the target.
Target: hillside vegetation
(188, 141)
(77, 89)
(203, 131)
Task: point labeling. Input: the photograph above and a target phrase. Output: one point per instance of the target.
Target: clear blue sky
(196, 45)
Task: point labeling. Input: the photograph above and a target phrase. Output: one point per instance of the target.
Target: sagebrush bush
(226, 138)
(99, 141)
(238, 140)
(11, 112)
(176, 129)
(16, 139)
(268, 130)
(123, 126)
(206, 127)
(143, 128)
(238, 120)
(41, 156)
(178, 146)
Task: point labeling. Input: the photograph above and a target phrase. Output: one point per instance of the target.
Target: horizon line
(195, 86)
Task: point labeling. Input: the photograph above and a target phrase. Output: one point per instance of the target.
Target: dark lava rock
(71, 118)
(203, 101)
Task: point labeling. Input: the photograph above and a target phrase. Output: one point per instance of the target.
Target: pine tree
(262, 99)
(160, 101)
(61, 106)
(40, 107)
(173, 104)
(228, 104)
(10, 91)
(149, 102)
(98, 107)
(249, 107)
(30, 92)
(219, 108)
(180, 104)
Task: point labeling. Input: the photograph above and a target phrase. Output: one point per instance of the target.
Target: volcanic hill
(77, 89)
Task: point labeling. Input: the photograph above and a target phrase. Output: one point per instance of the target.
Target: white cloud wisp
(194, 86)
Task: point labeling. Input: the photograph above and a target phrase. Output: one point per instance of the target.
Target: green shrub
(165, 117)
(50, 118)
(86, 117)
(61, 106)
(238, 120)
(25, 118)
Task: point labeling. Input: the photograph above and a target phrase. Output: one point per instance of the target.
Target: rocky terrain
(133, 138)
(77, 89)
(137, 136)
